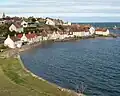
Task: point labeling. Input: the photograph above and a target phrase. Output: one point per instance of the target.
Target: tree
(4, 29)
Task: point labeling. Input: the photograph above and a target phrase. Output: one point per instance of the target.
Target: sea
(89, 66)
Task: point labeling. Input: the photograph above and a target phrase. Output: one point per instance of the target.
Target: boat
(115, 27)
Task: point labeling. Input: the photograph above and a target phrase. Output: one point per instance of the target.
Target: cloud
(62, 8)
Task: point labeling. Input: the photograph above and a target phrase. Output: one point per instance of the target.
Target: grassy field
(15, 81)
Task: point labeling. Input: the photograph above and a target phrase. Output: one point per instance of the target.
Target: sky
(68, 10)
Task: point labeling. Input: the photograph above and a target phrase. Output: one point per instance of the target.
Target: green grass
(15, 81)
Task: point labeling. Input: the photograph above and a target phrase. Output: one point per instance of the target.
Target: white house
(39, 38)
(81, 30)
(24, 24)
(50, 22)
(9, 42)
(79, 33)
(70, 34)
(54, 35)
(92, 30)
(30, 37)
(16, 27)
(62, 36)
(44, 38)
(100, 31)
(13, 28)
(24, 38)
(86, 33)
(18, 44)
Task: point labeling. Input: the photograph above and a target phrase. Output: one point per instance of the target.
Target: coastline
(38, 77)
(17, 75)
(16, 52)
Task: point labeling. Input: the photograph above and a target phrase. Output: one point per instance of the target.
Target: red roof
(19, 36)
(101, 29)
(30, 36)
(80, 28)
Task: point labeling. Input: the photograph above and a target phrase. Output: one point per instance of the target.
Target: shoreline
(16, 74)
(17, 56)
(40, 78)
(14, 52)
(17, 51)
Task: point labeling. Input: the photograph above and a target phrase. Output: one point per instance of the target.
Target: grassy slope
(15, 81)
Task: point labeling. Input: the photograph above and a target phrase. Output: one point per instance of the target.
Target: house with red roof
(80, 30)
(102, 31)
(30, 37)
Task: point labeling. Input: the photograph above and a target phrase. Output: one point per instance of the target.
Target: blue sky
(68, 10)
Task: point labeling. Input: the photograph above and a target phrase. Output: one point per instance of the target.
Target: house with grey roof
(16, 27)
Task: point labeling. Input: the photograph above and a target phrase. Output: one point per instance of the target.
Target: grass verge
(15, 81)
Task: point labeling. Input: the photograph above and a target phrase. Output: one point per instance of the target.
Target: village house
(58, 35)
(102, 31)
(12, 42)
(77, 30)
(78, 33)
(86, 33)
(82, 30)
(24, 24)
(67, 34)
(17, 41)
(55, 35)
(30, 37)
(70, 34)
(13, 28)
(39, 38)
(16, 27)
(24, 38)
(2, 21)
(61, 35)
(92, 30)
(9, 42)
(44, 35)
(50, 22)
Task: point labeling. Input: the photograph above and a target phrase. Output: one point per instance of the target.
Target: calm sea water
(92, 63)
